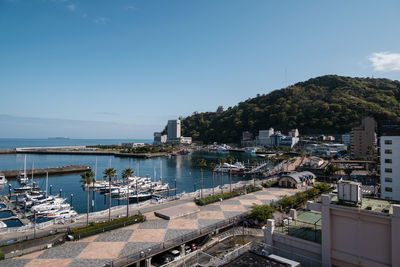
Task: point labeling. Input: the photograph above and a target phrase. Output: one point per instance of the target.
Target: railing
(300, 229)
(148, 252)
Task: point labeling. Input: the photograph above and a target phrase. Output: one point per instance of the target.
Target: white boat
(140, 195)
(160, 187)
(54, 209)
(23, 177)
(46, 206)
(62, 214)
(226, 167)
(2, 225)
(3, 179)
(120, 191)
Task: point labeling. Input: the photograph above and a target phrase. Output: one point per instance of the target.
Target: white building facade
(390, 163)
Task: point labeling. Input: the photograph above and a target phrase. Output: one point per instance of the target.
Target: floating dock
(51, 171)
(17, 214)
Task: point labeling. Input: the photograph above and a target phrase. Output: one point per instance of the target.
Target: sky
(122, 68)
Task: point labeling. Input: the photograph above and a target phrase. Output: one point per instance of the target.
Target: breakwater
(8, 151)
(51, 171)
(89, 152)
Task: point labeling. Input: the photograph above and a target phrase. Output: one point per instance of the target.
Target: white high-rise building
(174, 129)
(390, 162)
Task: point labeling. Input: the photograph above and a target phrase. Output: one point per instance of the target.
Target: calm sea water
(183, 169)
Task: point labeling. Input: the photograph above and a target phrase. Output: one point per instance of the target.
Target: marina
(36, 199)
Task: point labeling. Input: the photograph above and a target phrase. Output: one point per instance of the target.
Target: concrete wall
(354, 237)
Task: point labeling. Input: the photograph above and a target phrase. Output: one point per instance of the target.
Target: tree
(86, 179)
(212, 166)
(201, 163)
(262, 213)
(331, 169)
(125, 175)
(110, 173)
(287, 202)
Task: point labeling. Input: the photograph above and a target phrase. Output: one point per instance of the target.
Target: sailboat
(26, 187)
(23, 177)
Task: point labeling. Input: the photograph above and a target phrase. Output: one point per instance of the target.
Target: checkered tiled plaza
(100, 249)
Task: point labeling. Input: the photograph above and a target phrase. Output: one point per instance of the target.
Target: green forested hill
(326, 104)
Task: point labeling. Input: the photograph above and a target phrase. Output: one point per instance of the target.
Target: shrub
(211, 199)
(96, 228)
(252, 188)
(322, 188)
(287, 202)
(270, 184)
(262, 213)
(1, 255)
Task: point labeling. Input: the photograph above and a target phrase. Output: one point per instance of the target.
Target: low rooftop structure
(297, 179)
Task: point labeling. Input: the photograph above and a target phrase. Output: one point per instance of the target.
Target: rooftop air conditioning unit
(350, 192)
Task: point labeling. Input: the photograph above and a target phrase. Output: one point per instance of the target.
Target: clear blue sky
(139, 63)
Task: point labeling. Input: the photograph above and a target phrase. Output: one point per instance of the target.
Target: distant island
(327, 104)
(59, 138)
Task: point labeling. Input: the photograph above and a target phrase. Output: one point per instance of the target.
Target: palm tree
(110, 173)
(221, 162)
(125, 175)
(230, 159)
(86, 179)
(201, 163)
(212, 166)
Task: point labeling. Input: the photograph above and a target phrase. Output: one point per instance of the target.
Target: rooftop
(307, 226)
(370, 204)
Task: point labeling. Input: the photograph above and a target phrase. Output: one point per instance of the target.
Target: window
(388, 142)
(388, 151)
(388, 160)
(388, 180)
(389, 170)
(388, 189)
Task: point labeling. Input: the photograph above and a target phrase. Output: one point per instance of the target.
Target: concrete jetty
(51, 171)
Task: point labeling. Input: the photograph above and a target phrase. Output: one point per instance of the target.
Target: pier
(51, 171)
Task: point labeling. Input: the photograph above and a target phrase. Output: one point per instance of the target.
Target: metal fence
(149, 252)
(301, 229)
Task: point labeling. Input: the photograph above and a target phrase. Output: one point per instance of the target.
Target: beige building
(364, 235)
(363, 138)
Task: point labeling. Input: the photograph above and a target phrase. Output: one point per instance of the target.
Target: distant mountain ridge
(325, 104)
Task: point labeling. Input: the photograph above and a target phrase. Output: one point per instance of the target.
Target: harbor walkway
(101, 249)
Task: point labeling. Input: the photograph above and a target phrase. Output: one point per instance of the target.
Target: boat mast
(160, 171)
(33, 166)
(25, 168)
(95, 170)
(47, 181)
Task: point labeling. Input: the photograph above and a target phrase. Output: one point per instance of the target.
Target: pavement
(101, 249)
